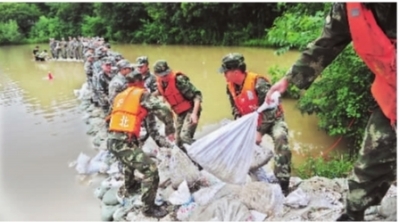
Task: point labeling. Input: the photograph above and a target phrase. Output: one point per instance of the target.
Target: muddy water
(42, 129)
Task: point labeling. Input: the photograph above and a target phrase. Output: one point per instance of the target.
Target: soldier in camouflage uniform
(118, 82)
(150, 82)
(375, 169)
(131, 155)
(71, 48)
(88, 66)
(52, 45)
(103, 80)
(186, 121)
(272, 120)
(64, 46)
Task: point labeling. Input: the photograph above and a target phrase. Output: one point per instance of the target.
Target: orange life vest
(173, 96)
(379, 54)
(247, 101)
(127, 113)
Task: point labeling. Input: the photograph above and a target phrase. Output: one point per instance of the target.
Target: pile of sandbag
(195, 195)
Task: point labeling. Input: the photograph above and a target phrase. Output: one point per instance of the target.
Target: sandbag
(182, 169)
(222, 151)
(224, 209)
(263, 197)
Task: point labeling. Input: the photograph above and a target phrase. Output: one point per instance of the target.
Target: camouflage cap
(89, 54)
(106, 60)
(123, 64)
(141, 61)
(161, 68)
(133, 76)
(231, 61)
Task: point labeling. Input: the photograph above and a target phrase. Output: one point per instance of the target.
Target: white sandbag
(224, 209)
(182, 195)
(263, 197)
(207, 179)
(205, 195)
(87, 165)
(232, 145)
(182, 169)
(262, 155)
(297, 199)
(82, 163)
(114, 168)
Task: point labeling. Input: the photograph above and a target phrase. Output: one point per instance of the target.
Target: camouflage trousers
(132, 157)
(185, 129)
(375, 168)
(150, 123)
(278, 130)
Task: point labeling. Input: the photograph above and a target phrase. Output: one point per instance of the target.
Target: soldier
(129, 109)
(64, 46)
(246, 92)
(118, 82)
(184, 99)
(52, 45)
(70, 48)
(150, 82)
(88, 66)
(103, 81)
(372, 28)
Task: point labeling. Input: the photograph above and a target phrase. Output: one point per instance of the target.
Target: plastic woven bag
(228, 152)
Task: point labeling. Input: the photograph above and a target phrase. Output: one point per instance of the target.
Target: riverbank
(313, 199)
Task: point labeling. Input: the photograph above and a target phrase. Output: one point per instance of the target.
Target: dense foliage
(341, 98)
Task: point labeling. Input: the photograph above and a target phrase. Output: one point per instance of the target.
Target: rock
(110, 197)
(107, 212)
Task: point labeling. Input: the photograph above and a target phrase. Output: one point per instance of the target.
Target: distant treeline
(153, 23)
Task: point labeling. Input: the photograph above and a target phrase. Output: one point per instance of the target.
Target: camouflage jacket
(150, 82)
(157, 107)
(334, 38)
(261, 88)
(118, 84)
(103, 82)
(88, 68)
(188, 90)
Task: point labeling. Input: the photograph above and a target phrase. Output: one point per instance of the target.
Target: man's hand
(258, 138)
(193, 118)
(279, 86)
(171, 137)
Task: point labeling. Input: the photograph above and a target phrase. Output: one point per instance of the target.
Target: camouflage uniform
(103, 82)
(375, 168)
(96, 67)
(64, 46)
(150, 81)
(118, 82)
(184, 128)
(53, 45)
(132, 156)
(272, 120)
(71, 49)
(89, 71)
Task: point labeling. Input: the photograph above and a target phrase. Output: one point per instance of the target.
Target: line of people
(132, 98)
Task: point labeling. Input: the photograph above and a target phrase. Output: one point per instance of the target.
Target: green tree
(24, 14)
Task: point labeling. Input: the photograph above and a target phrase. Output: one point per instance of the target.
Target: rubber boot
(351, 216)
(285, 187)
(155, 211)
